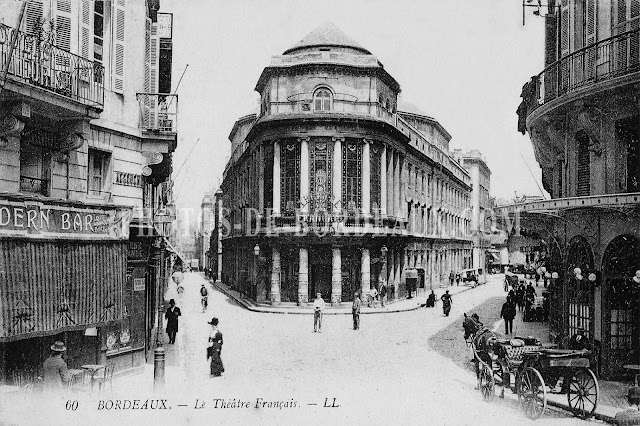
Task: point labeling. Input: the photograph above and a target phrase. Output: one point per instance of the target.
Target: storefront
(63, 276)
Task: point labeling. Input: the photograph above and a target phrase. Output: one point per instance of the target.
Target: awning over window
(47, 287)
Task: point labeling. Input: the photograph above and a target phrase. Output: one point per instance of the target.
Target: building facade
(85, 159)
(332, 188)
(583, 118)
(475, 164)
(205, 229)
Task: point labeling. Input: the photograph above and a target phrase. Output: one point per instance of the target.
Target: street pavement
(278, 371)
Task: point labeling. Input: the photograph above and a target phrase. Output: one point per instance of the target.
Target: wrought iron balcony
(158, 112)
(34, 185)
(38, 63)
(607, 59)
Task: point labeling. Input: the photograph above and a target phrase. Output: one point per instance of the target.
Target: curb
(298, 311)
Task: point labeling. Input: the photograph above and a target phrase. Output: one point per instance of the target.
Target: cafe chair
(26, 391)
(77, 383)
(105, 376)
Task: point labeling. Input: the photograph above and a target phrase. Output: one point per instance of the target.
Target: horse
(484, 343)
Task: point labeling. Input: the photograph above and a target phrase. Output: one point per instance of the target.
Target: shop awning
(47, 287)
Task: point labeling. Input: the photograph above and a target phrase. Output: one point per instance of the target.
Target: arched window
(322, 100)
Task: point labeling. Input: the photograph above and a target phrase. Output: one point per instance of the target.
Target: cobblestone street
(385, 372)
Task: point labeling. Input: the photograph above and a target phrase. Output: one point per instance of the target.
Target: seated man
(580, 340)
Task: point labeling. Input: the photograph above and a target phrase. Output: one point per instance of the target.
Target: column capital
(337, 138)
(304, 139)
(10, 125)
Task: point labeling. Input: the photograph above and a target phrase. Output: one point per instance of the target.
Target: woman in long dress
(214, 349)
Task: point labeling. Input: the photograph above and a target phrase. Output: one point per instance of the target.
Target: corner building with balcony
(583, 117)
(333, 188)
(86, 141)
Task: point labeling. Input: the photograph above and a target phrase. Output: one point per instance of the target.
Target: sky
(463, 62)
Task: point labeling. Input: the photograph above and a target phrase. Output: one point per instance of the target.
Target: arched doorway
(621, 313)
(579, 292)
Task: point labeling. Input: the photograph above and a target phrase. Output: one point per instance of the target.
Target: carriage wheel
(583, 393)
(486, 383)
(532, 393)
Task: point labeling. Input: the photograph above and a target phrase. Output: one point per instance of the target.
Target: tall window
(322, 100)
(290, 177)
(351, 176)
(628, 133)
(35, 169)
(376, 183)
(321, 154)
(98, 170)
(584, 169)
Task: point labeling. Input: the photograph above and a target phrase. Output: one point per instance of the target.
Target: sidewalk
(612, 396)
(401, 305)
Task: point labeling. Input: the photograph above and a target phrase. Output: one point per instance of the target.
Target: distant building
(334, 187)
(474, 163)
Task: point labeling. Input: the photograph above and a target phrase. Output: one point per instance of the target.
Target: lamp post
(383, 269)
(256, 254)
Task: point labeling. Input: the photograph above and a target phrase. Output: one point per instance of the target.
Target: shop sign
(35, 219)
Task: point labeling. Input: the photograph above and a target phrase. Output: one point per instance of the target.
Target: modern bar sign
(38, 220)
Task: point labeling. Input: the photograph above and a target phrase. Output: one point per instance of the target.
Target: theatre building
(582, 114)
(85, 158)
(335, 187)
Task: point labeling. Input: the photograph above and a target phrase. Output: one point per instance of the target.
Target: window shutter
(86, 39)
(590, 38)
(584, 169)
(33, 16)
(147, 75)
(153, 73)
(118, 39)
(63, 24)
(564, 44)
(634, 42)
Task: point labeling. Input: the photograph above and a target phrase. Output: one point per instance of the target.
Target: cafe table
(92, 369)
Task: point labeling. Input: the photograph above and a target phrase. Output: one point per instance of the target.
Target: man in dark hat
(55, 368)
(215, 349)
(172, 314)
(580, 340)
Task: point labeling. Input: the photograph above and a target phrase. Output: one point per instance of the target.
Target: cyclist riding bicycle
(203, 297)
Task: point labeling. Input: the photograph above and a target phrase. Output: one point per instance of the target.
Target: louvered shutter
(63, 63)
(33, 16)
(564, 45)
(147, 75)
(634, 40)
(590, 38)
(118, 52)
(578, 32)
(153, 74)
(584, 169)
(86, 40)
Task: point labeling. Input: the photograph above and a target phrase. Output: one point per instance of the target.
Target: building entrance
(320, 273)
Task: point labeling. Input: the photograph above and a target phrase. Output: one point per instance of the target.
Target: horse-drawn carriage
(531, 371)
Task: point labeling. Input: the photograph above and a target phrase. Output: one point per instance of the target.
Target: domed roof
(327, 35)
(411, 108)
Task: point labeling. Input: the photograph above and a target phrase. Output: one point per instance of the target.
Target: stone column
(365, 270)
(276, 178)
(303, 277)
(275, 276)
(366, 178)
(390, 193)
(336, 181)
(391, 265)
(336, 277)
(304, 175)
(260, 178)
(396, 185)
(403, 187)
(383, 181)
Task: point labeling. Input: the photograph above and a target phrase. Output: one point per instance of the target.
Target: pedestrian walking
(383, 294)
(431, 300)
(374, 296)
(446, 303)
(508, 312)
(355, 310)
(452, 277)
(318, 309)
(56, 373)
(172, 314)
(520, 297)
(458, 278)
(215, 349)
